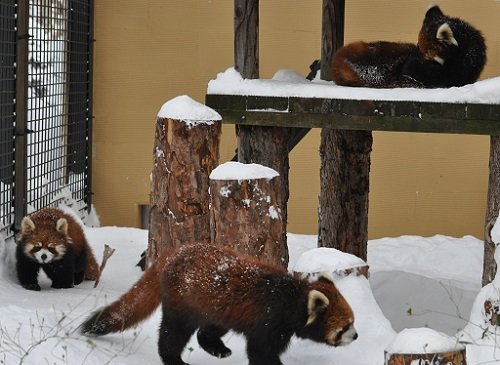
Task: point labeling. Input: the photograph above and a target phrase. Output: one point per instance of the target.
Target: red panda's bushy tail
(137, 304)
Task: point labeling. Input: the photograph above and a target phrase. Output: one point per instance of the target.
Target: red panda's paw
(33, 286)
(210, 340)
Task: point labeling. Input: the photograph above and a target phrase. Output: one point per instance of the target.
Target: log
(345, 161)
(267, 146)
(186, 151)
(448, 358)
(424, 346)
(245, 211)
(492, 208)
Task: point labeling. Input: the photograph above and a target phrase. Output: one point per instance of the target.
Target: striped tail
(133, 307)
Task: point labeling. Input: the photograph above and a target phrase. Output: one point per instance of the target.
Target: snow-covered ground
(415, 282)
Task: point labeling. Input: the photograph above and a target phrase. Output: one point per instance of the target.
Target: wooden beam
(393, 116)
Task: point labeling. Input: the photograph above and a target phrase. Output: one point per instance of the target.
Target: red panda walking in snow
(450, 52)
(53, 241)
(213, 290)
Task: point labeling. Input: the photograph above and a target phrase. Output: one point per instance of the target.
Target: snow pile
(422, 341)
(239, 171)
(188, 110)
(325, 259)
(286, 83)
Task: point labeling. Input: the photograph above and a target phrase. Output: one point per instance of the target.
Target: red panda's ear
(62, 226)
(445, 34)
(316, 302)
(326, 277)
(27, 225)
(433, 12)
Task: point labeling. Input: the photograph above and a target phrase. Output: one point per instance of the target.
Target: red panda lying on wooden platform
(450, 52)
(213, 289)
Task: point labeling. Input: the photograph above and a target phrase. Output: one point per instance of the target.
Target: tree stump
(448, 358)
(245, 211)
(424, 346)
(185, 153)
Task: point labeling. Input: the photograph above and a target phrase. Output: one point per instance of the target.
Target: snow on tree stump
(185, 153)
(322, 260)
(245, 211)
(424, 346)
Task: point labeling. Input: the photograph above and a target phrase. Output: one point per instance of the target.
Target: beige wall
(148, 52)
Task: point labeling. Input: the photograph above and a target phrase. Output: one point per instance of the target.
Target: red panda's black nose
(355, 336)
(43, 257)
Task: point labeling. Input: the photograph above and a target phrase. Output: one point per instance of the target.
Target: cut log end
(448, 358)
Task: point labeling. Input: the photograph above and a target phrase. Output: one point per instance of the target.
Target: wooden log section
(245, 211)
(448, 358)
(185, 153)
(424, 346)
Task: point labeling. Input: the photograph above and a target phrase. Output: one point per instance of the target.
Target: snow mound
(239, 171)
(326, 259)
(422, 341)
(186, 109)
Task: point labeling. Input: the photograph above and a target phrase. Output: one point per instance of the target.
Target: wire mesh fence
(45, 131)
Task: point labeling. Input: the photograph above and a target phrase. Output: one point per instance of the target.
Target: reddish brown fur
(137, 304)
(45, 222)
(216, 289)
(450, 52)
(350, 60)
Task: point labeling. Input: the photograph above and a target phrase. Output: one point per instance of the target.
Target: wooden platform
(397, 116)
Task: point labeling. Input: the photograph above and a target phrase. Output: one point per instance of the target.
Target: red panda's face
(436, 40)
(44, 243)
(330, 317)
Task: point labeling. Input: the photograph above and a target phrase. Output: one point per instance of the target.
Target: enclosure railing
(45, 107)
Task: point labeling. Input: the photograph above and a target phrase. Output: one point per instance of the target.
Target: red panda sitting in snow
(53, 241)
(450, 52)
(213, 289)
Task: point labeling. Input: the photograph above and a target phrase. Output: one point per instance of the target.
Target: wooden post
(262, 145)
(245, 211)
(185, 153)
(492, 207)
(345, 161)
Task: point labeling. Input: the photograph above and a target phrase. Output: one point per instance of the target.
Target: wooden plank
(400, 116)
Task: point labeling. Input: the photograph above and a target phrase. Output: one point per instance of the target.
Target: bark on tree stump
(424, 346)
(492, 207)
(245, 211)
(443, 358)
(185, 153)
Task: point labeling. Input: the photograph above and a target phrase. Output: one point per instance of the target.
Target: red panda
(53, 241)
(450, 52)
(214, 289)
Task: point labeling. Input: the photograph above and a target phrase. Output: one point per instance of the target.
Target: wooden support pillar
(267, 146)
(345, 161)
(492, 207)
(185, 153)
(245, 211)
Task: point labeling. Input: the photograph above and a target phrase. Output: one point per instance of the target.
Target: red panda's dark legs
(264, 349)
(174, 335)
(27, 270)
(209, 338)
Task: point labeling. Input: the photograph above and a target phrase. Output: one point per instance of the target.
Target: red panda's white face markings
(45, 253)
(42, 243)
